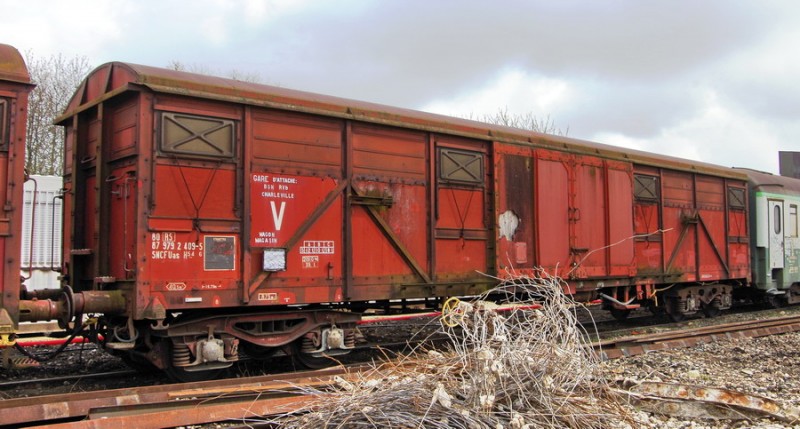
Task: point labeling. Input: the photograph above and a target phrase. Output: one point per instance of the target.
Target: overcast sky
(717, 81)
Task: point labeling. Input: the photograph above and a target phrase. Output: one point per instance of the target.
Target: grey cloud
(634, 67)
(637, 110)
(441, 48)
(768, 98)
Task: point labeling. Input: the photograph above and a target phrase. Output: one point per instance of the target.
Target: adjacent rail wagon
(775, 248)
(206, 216)
(15, 85)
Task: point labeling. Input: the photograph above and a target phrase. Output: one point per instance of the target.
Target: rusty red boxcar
(209, 215)
(15, 85)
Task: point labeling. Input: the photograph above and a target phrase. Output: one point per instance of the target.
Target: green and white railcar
(775, 242)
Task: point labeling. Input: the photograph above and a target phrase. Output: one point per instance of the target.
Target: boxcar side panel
(296, 202)
(680, 239)
(122, 258)
(291, 142)
(388, 206)
(284, 215)
(647, 212)
(462, 209)
(123, 130)
(711, 228)
(620, 220)
(552, 212)
(589, 218)
(738, 239)
(514, 196)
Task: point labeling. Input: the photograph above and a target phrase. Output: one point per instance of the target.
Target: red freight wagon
(15, 85)
(622, 224)
(209, 214)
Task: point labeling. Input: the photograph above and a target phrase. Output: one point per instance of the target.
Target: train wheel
(711, 310)
(655, 310)
(677, 317)
(177, 358)
(307, 360)
(621, 314)
(674, 310)
(773, 301)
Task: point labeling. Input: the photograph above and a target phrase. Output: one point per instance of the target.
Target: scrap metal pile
(515, 368)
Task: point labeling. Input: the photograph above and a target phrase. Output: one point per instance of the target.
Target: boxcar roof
(772, 183)
(12, 66)
(114, 78)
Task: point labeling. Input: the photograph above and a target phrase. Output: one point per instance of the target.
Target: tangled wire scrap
(519, 369)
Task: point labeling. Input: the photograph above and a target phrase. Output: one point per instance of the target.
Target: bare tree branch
(235, 74)
(527, 121)
(56, 78)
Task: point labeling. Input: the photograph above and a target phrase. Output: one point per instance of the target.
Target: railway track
(638, 344)
(166, 405)
(69, 378)
(414, 330)
(246, 399)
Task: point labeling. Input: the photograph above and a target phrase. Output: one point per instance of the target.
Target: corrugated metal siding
(41, 224)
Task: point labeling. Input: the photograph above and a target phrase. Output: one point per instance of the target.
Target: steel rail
(50, 409)
(63, 378)
(638, 344)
